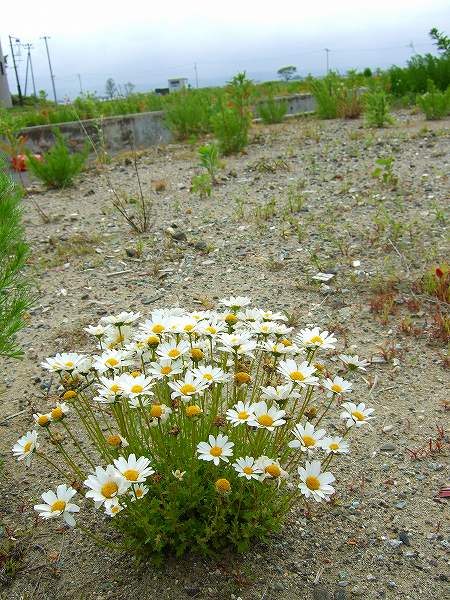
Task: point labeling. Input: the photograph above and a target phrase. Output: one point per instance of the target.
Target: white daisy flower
(238, 343)
(270, 468)
(263, 327)
(211, 329)
(356, 414)
(59, 411)
(218, 448)
(235, 302)
(135, 386)
(188, 387)
(314, 338)
(110, 387)
(281, 329)
(139, 401)
(269, 315)
(250, 315)
(67, 361)
(165, 367)
(267, 418)
(58, 504)
(337, 386)
(172, 350)
(135, 470)
(200, 315)
(353, 362)
(123, 318)
(334, 445)
(299, 374)
(247, 467)
(43, 420)
(314, 483)
(138, 491)
(117, 441)
(279, 348)
(159, 413)
(307, 438)
(241, 412)
(25, 446)
(111, 359)
(156, 325)
(179, 474)
(99, 330)
(117, 337)
(278, 393)
(112, 507)
(105, 484)
(211, 374)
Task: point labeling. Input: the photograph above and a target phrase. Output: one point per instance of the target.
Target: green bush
(435, 104)
(376, 108)
(232, 121)
(58, 167)
(272, 110)
(189, 113)
(14, 291)
(324, 92)
(209, 160)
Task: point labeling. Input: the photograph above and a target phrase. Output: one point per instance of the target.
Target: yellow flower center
(58, 506)
(189, 327)
(223, 485)
(197, 353)
(131, 474)
(212, 330)
(231, 319)
(242, 377)
(312, 482)
(136, 389)
(216, 451)
(43, 420)
(57, 413)
(187, 388)
(334, 446)
(208, 376)
(27, 446)
(69, 363)
(69, 394)
(156, 411)
(273, 470)
(319, 366)
(174, 353)
(243, 414)
(248, 470)
(264, 328)
(358, 415)
(286, 342)
(115, 388)
(316, 339)
(265, 420)
(115, 509)
(297, 376)
(337, 388)
(153, 340)
(308, 441)
(112, 362)
(109, 489)
(135, 373)
(158, 328)
(139, 492)
(114, 440)
(166, 370)
(193, 410)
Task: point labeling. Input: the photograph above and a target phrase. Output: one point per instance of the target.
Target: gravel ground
(301, 200)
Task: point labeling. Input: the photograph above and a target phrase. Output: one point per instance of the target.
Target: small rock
(388, 428)
(387, 447)
(395, 543)
(131, 252)
(400, 505)
(404, 537)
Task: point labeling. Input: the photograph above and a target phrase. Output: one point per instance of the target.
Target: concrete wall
(139, 130)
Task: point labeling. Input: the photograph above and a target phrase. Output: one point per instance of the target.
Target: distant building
(162, 91)
(180, 83)
(5, 95)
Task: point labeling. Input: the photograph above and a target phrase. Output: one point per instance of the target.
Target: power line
(17, 41)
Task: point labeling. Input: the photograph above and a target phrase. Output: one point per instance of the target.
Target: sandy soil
(387, 535)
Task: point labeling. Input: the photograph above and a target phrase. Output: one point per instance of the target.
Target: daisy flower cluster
(181, 425)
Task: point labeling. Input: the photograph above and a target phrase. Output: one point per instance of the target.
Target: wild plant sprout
(204, 428)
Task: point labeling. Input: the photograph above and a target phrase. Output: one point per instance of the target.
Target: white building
(179, 83)
(5, 96)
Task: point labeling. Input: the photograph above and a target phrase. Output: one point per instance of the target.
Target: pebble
(400, 505)
(387, 447)
(404, 538)
(388, 428)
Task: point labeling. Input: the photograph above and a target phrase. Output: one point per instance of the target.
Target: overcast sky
(145, 42)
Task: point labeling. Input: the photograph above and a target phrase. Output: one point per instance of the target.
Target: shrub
(189, 113)
(14, 291)
(272, 110)
(209, 160)
(232, 121)
(201, 185)
(435, 104)
(349, 103)
(204, 449)
(58, 166)
(324, 92)
(376, 108)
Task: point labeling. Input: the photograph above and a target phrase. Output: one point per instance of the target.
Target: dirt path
(302, 200)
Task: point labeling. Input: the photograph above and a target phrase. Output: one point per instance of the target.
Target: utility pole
(30, 64)
(327, 50)
(5, 96)
(81, 86)
(17, 41)
(45, 38)
(196, 75)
